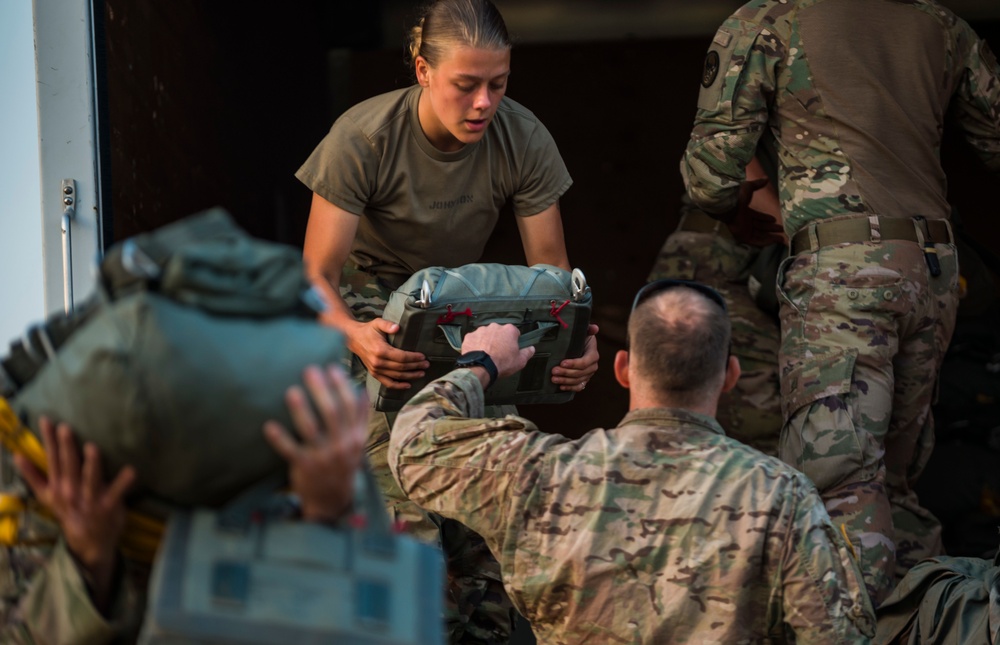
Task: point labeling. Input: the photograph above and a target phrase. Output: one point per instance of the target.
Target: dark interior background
(217, 103)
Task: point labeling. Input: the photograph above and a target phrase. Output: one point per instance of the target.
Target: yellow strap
(11, 508)
(142, 533)
(847, 539)
(18, 439)
(11, 504)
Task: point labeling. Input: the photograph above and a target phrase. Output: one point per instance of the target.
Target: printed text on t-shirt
(464, 199)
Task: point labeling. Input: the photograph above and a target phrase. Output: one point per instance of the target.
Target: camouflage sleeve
(56, 606)
(824, 598)
(450, 461)
(976, 103)
(737, 83)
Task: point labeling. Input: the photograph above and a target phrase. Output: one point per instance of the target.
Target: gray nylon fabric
(538, 299)
(185, 357)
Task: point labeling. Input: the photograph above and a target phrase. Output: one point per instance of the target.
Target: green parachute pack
(437, 306)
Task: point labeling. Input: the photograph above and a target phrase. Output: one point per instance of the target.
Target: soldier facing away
(853, 97)
(659, 530)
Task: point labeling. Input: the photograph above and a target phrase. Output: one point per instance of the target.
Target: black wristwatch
(479, 357)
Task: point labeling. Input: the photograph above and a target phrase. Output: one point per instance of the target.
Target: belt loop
(875, 229)
(813, 238)
(918, 227)
(951, 231)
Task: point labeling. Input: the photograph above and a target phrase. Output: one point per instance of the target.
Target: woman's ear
(422, 70)
(621, 368)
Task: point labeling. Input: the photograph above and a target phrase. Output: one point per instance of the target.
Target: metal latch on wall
(68, 199)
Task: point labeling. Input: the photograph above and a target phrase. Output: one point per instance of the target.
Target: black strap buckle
(930, 253)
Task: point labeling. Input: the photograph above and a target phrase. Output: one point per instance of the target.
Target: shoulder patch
(711, 68)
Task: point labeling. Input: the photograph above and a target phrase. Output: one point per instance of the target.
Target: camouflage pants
(750, 412)
(477, 609)
(864, 329)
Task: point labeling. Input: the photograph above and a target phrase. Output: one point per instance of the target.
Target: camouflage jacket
(660, 530)
(852, 96)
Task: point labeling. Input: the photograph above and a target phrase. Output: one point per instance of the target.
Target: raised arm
(329, 236)
(81, 594)
(451, 460)
(330, 419)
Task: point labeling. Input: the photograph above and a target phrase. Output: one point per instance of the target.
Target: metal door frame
(69, 155)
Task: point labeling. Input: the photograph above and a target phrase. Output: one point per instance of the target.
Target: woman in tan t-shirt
(416, 178)
(461, 57)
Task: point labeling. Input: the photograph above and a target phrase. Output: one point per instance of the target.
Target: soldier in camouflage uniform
(703, 249)
(660, 530)
(852, 95)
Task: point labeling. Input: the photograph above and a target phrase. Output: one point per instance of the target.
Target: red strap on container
(554, 312)
(450, 315)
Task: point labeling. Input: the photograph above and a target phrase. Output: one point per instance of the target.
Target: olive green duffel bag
(174, 364)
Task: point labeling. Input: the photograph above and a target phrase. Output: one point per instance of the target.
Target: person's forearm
(448, 459)
(480, 372)
(713, 186)
(338, 314)
(439, 399)
(100, 579)
(59, 606)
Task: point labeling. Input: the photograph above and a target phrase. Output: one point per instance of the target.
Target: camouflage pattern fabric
(477, 609)
(858, 362)
(760, 86)
(44, 598)
(865, 330)
(661, 530)
(751, 412)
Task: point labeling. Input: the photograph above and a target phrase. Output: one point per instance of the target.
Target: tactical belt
(696, 221)
(859, 229)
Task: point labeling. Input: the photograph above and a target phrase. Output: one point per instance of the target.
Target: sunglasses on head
(658, 286)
